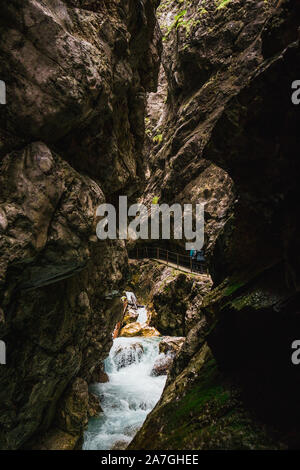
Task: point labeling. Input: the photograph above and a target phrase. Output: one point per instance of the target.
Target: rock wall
(71, 135)
(182, 114)
(233, 386)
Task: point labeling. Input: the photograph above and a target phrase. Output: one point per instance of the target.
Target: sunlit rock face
(76, 73)
(136, 329)
(233, 385)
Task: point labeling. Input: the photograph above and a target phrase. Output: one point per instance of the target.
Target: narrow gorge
(164, 102)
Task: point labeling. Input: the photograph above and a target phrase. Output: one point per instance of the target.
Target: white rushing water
(130, 394)
(142, 318)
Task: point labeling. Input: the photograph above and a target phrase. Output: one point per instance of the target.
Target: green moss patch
(222, 4)
(207, 416)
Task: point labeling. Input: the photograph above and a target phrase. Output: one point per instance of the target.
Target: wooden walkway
(169, 258)
(174, 266)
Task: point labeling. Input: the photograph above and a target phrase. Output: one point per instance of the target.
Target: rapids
(130, 394)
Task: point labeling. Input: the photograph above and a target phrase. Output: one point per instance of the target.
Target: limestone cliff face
(71, 134)
(182, 114)
(233, 384)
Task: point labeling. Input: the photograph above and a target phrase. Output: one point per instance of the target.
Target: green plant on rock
(178, 20)
(202, 11)
(222, 3)
(157, 139)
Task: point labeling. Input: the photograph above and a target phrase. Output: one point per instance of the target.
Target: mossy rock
(200, 410)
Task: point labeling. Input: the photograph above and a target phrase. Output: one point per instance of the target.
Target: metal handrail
(154, 252)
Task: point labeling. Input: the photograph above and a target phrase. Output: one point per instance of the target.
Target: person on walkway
(193, 254)
(200, 261)
(200, 256)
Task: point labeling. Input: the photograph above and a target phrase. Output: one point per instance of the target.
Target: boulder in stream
(127, 355)
(130, 316)
(168, 348)
(162, 365)
(150, 331)
(136, 329)
(99, 375)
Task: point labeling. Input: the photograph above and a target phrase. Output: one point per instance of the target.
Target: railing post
(147, 252)
(157, 253)
(137, 253)
(167, 258)
(177, 261)
(191, 264)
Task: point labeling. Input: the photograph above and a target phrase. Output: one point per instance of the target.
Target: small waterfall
(123, 355)
(143, 316)
(130, 394)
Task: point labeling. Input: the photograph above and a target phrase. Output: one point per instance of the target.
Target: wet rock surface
(130, 317)
(136, 329)
(94, 407)
(162, 365)
(124, 356)
(169, 347)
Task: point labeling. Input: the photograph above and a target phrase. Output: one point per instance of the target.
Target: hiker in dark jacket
(193, 254)
(200, 256)
(200, 261)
